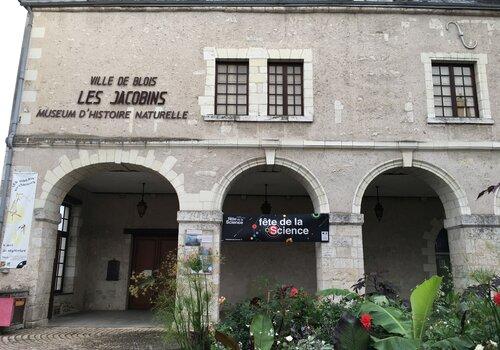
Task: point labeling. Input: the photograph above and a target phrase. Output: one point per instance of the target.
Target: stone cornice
(288, 5)
(338, 218)
(43, 141)
(51, 217)
(474, 220)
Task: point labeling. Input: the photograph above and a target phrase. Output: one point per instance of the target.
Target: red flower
(496, 298)
(366, 321)
(294, 292)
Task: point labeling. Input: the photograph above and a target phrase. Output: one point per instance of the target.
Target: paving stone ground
(70, 338)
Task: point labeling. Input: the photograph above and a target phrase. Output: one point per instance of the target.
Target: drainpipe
(14, 118)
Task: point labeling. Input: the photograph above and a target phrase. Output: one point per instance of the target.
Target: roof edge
(262, 3)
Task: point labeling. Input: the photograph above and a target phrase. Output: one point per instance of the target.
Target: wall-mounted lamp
(142, 206)
(379, 209)
(265, 208)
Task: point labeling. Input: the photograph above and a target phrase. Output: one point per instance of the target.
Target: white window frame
(480, 61)
(257, 87)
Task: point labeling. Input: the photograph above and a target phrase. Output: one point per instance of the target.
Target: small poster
(19, 215)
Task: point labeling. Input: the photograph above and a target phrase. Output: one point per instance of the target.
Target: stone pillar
(209, 222)
(474, 244)
(41, 264)
(339, 263)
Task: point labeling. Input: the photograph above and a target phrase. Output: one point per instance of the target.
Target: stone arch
(58, 181)
(297, 171)
(453, 197)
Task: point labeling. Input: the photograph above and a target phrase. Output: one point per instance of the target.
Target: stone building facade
(367, 128)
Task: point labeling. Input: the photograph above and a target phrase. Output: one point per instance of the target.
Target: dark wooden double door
(147, 255)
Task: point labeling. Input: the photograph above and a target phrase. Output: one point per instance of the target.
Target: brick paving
(52, 338)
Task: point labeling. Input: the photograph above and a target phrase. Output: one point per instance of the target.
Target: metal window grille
(454, 90)
(231, 88)
(285, 88)
(61, 248)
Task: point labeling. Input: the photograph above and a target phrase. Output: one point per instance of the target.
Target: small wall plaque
(113, 273)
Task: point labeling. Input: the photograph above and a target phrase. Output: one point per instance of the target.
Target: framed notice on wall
(276, 228)
(19, 214)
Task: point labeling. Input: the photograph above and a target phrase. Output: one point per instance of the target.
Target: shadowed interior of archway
(399, 240)
(106, 234)
(247, 267)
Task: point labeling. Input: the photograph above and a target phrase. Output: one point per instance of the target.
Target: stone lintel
(212, 216)
(474, 220)
(339, 218)
(51, 217)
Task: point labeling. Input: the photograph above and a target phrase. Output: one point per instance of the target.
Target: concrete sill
(452, 120)
(258, 118)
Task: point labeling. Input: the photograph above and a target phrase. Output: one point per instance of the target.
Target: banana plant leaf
(389, 318)
(227, 341)
(262, 331)
(350, 335)
(454, 343)
(422, 298)
(394, 343)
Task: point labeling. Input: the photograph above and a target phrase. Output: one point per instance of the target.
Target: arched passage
(404, 210)
(104, 234)
(247, 266)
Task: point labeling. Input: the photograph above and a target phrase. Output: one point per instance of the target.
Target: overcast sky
(12, 20)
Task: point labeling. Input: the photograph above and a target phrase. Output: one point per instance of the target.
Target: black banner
(276, 228)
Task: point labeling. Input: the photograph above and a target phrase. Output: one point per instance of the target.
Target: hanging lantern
(265, 208)
(142, 206)
(379, 209)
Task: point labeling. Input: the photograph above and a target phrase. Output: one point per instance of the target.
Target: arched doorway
(404, 211)
(248, 266)
(116, 219)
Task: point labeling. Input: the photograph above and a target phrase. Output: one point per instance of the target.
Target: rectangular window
(285, 83)
(61, 248)
(454, 90)
(231, 88)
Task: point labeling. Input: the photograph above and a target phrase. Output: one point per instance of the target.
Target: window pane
(448, 112)
(298, 110)
(279, 110)
(272, 110)
(58, 284)
(221, 88)
(446, 90)
(457, 70)
(466, 70)
(221, 110)
(242, 99)
(438, 111)
(242, 110)
(231, 69)
(221, 99)
(445, 71)
(221, 78)
(445, 80)
(471, 112)
(61, 256)
(242, 89)
(437, 101)
(231, 110)
(231, 89)
(222, 68)
(291, 110)
(435, 70)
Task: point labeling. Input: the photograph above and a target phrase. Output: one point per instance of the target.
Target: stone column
(43, 242)
(339, 263)
(474, 244)
(209, 222)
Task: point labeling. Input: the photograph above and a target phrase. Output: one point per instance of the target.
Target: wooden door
(147, 255)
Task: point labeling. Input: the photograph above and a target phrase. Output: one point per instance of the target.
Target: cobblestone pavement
(52, 338)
